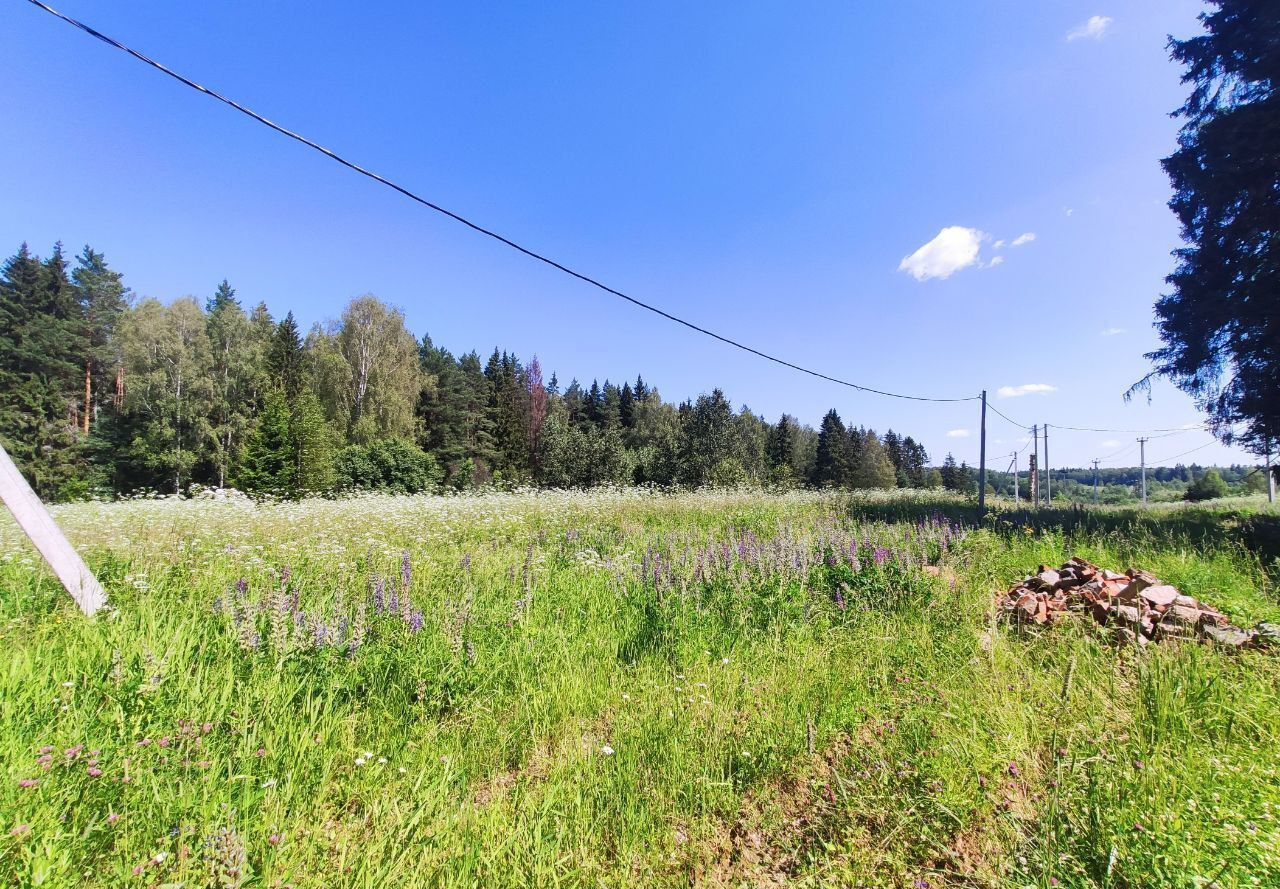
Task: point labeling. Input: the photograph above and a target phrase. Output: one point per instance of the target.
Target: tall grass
(617, 688)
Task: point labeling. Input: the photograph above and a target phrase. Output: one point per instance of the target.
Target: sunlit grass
(618, 688)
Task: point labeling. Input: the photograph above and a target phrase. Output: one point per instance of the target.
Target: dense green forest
(102, 393)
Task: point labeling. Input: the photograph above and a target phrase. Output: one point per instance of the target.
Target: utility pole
(982, 460)
(1142, 457)
(1015, 479)
(1271, 478)
(1095, 480)
(1048, 480)
(1035, 466)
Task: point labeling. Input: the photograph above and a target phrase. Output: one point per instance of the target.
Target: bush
(392, 465)
(1209, 486)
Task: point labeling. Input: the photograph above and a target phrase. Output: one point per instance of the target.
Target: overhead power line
(1184, 453)
(1002, 414)
(1027, 426)
(1119, 453)
(475, 226)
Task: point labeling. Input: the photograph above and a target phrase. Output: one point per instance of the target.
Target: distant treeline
(1123, 484)
(102, 393)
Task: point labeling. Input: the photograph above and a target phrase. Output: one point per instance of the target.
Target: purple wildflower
(406, 572)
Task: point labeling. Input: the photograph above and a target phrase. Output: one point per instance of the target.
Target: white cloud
(998, 244)
(1024, 238)
(1113, 331)
(995, 261)
(1110, 443)
(954, 248)
(1025, 389)
(1094, 29)
(958, 433)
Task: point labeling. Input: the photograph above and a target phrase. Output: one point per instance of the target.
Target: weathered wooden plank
(48, 538)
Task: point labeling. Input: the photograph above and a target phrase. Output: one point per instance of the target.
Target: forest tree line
(103, 393)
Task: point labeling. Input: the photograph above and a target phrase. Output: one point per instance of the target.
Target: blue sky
(777, 172)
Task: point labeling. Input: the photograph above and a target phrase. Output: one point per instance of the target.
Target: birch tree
(170, 393)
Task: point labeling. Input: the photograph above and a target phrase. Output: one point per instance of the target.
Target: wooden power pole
(1142, 460)
(982, 460)
(48, 538)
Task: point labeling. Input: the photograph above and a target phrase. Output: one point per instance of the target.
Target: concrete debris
(1136, 605)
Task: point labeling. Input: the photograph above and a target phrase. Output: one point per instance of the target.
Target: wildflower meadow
(617, 688)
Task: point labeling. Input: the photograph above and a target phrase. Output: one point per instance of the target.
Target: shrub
(392, 465)
(1209, 486)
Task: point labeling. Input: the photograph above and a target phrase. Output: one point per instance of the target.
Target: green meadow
(624, 688)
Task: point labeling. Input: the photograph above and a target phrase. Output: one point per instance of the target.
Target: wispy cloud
(1110, 443)
(1025, 389)
(958, 433)
(995, 261)
(1094, 29)
(954, 248)
(1113, 331)
(1024, 238)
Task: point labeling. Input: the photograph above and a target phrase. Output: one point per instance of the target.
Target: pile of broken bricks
(1138, 607)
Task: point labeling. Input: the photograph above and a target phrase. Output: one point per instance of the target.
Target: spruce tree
(43, 347)
(626, 406)
(286, 358)
(1220, 322)
(224, 296)
(832, 467)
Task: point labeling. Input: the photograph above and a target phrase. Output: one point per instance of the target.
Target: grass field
(623, 688)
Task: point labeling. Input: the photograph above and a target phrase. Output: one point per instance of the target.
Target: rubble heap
(1137, 605)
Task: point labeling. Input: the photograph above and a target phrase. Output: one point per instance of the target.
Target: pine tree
(442, 409)
(480, 445)
(103, 298)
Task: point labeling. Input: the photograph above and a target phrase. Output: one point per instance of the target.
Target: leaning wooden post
(35, 520)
